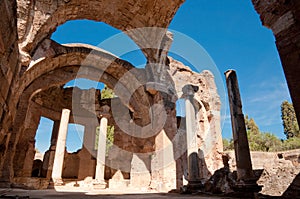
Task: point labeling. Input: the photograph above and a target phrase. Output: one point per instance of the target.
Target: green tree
(270, 142)
(289, 120)
(251, 125)
(109, 137)
(292, 143)
(228, 144)
(107, 93)
(260, 141)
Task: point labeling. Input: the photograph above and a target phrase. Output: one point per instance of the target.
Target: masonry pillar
(101, 150)
(194, 182)
(54, 135)
(25, 148)
(49, 155)
(87, 154)
(29, 159)
(245, 180)
(60, 148)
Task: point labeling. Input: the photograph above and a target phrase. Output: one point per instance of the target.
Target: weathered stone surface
(283, 18)
(9, 69)
(278, 169)
(47, 66)
(208, 114)
(241, 145)
(118, 182)
(39, 63)
(40, 18)
(140, 171)
(60, 147)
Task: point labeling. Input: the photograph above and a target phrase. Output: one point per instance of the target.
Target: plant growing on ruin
(107, 93)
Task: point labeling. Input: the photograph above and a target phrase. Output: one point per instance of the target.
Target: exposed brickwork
(38, 19)
(283, 17)
(8, 74)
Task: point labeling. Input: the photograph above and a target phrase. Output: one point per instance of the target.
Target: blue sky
(231, 33)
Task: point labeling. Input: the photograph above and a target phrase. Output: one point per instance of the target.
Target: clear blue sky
(232, 34)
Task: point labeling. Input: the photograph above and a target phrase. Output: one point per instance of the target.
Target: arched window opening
(83, 83)
(43, 137)
(101, 35)
(74, 137)
(180, 113)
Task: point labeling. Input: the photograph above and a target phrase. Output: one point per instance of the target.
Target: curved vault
(83, 61)
(56, 65)
(38, 19)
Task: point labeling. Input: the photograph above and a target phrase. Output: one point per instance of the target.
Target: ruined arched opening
(43, 134)
(37, 8)
(46, 72)
(45, 141)
(40, 77)
(121, 15)
(169, 126)
(103, 36)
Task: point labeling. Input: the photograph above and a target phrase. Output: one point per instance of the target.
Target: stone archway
(38, 19)
(63, 66)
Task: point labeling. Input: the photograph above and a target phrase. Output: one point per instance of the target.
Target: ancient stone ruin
(150, 142)
(152, 148)
(124, 162)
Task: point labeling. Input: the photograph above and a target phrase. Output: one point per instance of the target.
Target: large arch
(57, 65)
(84, 61)
(38, 19)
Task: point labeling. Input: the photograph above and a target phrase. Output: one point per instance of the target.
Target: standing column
(60, 148)
(54, 135)
(86, 161)
(194, 182)
(241, 146)
(49, 155)
(100, 166)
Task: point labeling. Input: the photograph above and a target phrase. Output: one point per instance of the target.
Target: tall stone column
(25, 149)
(29, 159)
(54, 135)
(60, 148)
(86, 154)
(194, 182)
(245, 177)
(100, 166)
(49, 155)
(101, 150)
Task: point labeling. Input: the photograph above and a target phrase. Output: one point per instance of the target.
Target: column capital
(189, 90)
(104, 112)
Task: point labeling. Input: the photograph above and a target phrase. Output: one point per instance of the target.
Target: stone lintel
(154, 87)
(189, 90)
